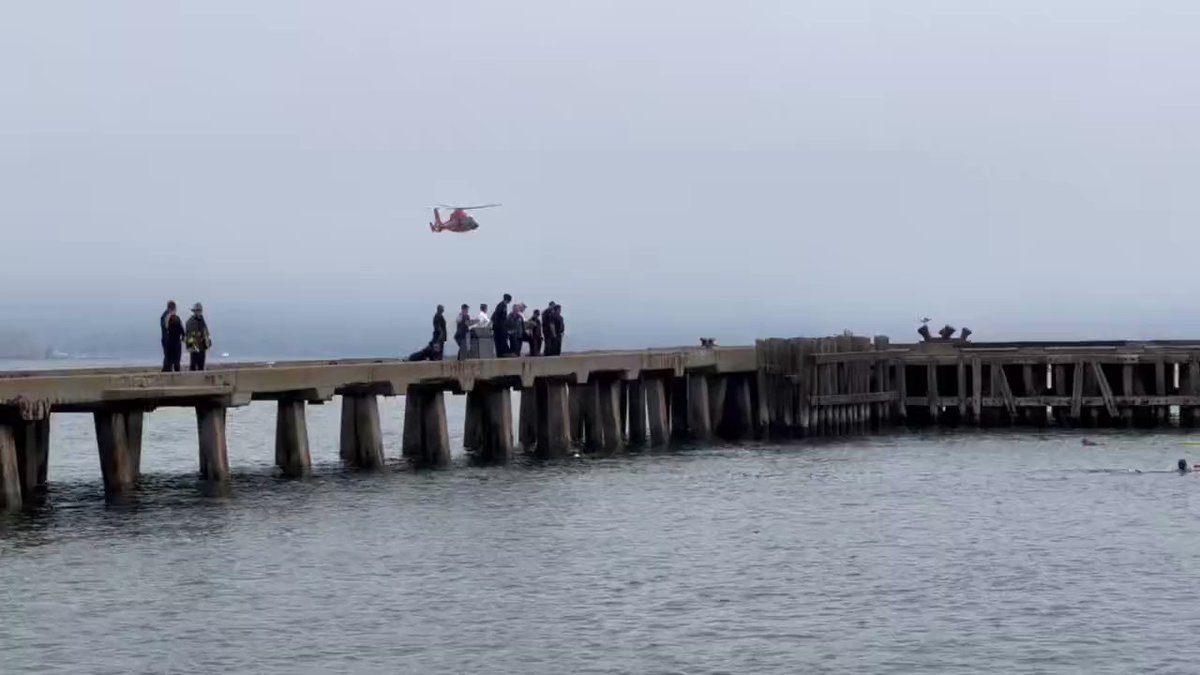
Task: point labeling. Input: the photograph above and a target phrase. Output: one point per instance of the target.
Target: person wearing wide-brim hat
(199, 340)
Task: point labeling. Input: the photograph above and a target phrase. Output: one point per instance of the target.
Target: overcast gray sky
(668, 169)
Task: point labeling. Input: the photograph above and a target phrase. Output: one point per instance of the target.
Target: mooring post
(361, 436)
(527, 422)
(699, 418)
(656, 408)
(291, 439)
(33, 456)
(214, 452)
(10, 480)
(119, 453)
(553, 422)
(636, 400)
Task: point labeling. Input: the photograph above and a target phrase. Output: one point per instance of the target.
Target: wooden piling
(678, 400)
(527, 420)
(435, 433)
(553, 424)
(361, 434)
(118, 458)
(291, 439)
(10, 480)
(33, 456)
(472, 424)
(931, 391)
(426, 440)
(214, 452)
(608, 394)
(658, 414)
(699, 421)
(740, 411)
(1190, 385)
(497, 445)
(717, 386)
(636, 414)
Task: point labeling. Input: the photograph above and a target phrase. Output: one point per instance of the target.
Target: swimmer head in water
(1183, 466)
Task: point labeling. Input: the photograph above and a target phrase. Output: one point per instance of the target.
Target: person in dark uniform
(500, 326)
(172, 339)
(549, 330)
(462, 330)
(533, 333)
(439, 333)
(437, 344)
(555, 329)
(516, 330)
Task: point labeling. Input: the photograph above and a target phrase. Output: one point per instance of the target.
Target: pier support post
(737, 419)
(33, 456)
(10, 480)
(718, 385)
(608, 394)
(214, 452)
(473, 422)
(699, 418)
(657, 411)
(119, 440)
(577, 422)
(678, 403)
(497, 445)
(361, 436)
(291, 439)
(426, 435)
(553, 420)
(527, 422)
(637, 411)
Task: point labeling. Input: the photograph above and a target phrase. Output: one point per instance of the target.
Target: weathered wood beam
(1106, 392)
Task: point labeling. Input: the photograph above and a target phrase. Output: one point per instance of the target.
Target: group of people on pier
(176, 335)
(543, 331)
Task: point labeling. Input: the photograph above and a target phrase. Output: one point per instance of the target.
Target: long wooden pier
(604, 401)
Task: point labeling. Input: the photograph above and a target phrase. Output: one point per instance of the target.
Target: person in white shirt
(484, 319)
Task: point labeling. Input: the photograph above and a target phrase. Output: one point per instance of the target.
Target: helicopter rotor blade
(469, 208)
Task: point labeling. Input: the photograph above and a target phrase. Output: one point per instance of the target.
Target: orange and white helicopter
(459, 220)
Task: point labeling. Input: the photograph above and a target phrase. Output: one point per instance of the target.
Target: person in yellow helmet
(199, 340)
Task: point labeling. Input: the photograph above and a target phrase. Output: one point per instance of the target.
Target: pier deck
(784, 388)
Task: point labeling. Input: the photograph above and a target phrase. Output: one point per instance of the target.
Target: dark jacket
(500, 319)
(516, 326)
(172, 329)
(439, 328)
(462, 327)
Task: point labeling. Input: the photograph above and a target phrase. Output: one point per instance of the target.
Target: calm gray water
(950, 553)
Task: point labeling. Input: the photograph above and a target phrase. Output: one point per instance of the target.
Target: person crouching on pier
(199, 339)
(437, 344)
